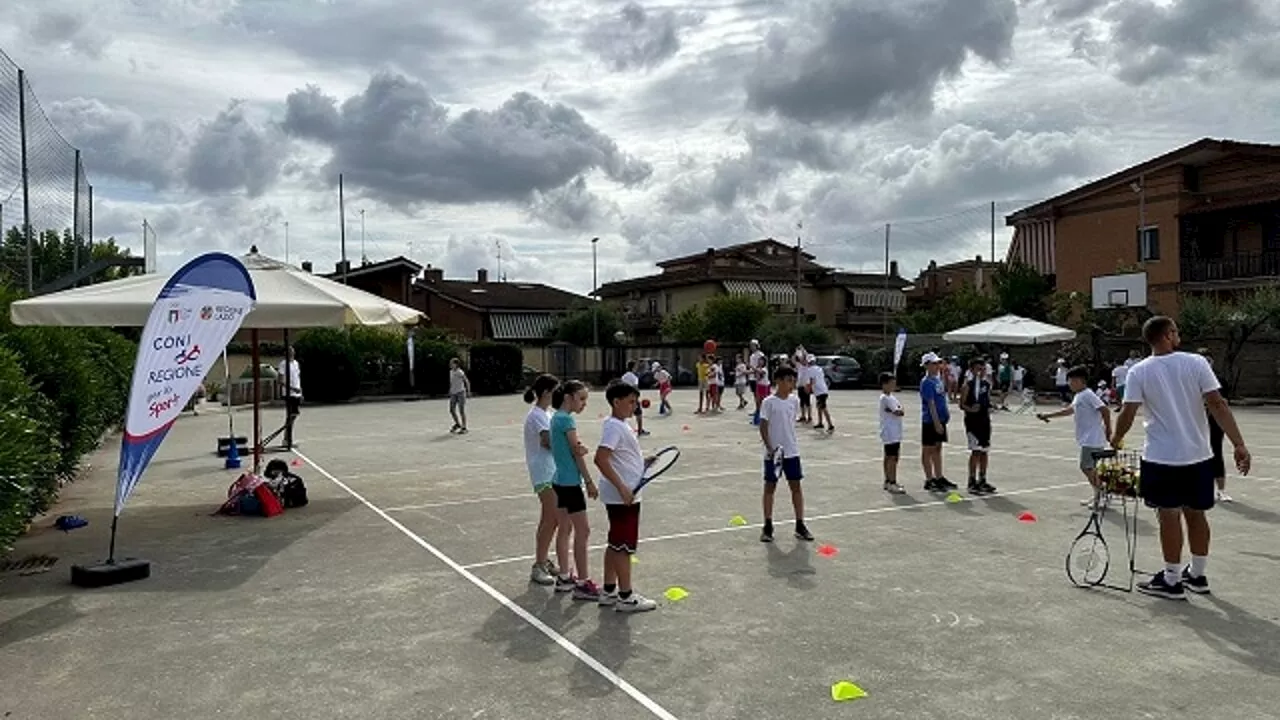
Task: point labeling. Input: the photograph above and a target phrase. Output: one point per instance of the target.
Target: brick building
(1202, 218)
(938, 281)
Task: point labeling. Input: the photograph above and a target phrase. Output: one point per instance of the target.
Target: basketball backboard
(1125, 290)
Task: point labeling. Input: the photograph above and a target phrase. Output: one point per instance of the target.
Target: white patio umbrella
(1010, 330)
(288, 298)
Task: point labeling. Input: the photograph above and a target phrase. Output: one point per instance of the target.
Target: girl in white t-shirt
(663, 378)
(542, 471)
(715, 383)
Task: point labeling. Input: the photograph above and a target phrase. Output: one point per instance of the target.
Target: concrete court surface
(402, 590)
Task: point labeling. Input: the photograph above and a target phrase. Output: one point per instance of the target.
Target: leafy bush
(431, 365)
(784, 334)
(496, 368)
(29, 452)
(330, 365)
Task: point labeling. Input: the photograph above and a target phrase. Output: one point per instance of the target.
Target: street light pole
(595, 293)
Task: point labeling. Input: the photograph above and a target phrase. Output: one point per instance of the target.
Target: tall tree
(733, 318)
(687, 326)
(1236, 319)
(54, 256)
(1021, 290)
(579, 326)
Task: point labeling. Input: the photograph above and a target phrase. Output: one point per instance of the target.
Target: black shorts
(624, 527)
(571, 498)
(930, 437)
(293, 405)
(892, 450)
(804, 397)
(790, 470)
(822, 400)
(977, 430)
(1173, 487)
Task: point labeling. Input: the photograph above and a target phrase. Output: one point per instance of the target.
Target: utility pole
(993, 231)
(342, 223)
(286, 242)
(884, 332)
(498, 244)
(26, 180)
(799, 229)
(595, 293)
(364, 259)
(75, 219)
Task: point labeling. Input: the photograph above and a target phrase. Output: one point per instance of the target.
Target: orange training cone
(1027, 517)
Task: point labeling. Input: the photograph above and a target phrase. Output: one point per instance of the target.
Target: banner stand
(195, 315)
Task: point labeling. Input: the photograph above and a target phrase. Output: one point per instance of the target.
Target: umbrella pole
(257, 407)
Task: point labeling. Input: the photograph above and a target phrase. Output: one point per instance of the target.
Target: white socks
(1173, 573)
(1198, 563)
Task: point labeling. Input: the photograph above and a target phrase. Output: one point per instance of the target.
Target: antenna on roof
(501, 277)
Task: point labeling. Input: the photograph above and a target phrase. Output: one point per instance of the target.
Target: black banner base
(116, 573)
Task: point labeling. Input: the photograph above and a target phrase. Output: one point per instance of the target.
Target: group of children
(563, 482)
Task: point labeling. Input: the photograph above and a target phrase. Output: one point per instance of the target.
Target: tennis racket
(661, 462)
(1089, 557)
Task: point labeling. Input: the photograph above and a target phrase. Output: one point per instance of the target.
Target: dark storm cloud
(449, 42)
(1151, 41)
(771, 152)
(855, 61)
(402, 147)
(634, 39)
(118, 143)
(230, 153)
(572, 207)
(223, 155)
(70, 30)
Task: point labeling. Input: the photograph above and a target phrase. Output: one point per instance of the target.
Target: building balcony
(1262, 266)
(644, 322)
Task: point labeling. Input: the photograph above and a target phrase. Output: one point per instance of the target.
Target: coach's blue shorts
(790, 470)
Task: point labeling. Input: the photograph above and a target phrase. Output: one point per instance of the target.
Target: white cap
(1004, 356)
(930, 358)
(755, 343)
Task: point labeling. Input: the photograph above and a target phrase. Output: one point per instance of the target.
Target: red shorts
(762, 391)
(624, 527)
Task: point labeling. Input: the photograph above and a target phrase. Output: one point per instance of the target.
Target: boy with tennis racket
(1092, 423)
(620, 461)
(778, 414)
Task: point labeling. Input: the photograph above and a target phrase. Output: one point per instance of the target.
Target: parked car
(841, 370)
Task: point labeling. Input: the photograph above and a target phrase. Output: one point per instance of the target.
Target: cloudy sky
(526, 127)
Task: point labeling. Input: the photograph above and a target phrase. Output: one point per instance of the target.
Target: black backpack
(287, 486)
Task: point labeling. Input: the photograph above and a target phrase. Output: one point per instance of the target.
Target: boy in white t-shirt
(891, 413)
(778, 414)
(1092, 423)
(715, 383)
(818, 386)
(621, 464)
(758, 364)
(629, 377)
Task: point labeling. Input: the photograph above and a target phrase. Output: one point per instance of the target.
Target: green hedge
(431, 365)
(330, 364)
(496, 368)
(61, 389)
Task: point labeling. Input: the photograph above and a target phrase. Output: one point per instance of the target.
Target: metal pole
(26, 180)
(799, 226)
(595, 293)
(286, 241)
(342, 222)
(993, 231)
(90, 243)
(884, 330)
(75, 219)
(364, 258)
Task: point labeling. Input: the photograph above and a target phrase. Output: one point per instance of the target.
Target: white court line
(671, 479)
(610, 676)
(828, 516)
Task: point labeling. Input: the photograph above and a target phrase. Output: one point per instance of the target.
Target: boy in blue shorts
(620, 461)
(934, 416)
(778, 414)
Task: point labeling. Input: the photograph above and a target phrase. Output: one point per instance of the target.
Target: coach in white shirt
(1173, 389)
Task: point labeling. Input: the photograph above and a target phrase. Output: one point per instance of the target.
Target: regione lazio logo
(174, 355)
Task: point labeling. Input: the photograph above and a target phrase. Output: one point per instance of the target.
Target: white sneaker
(538, 574)
(1222, 496)
(635, 603)
(607, 599)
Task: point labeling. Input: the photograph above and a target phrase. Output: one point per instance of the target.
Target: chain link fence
(46, 201)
